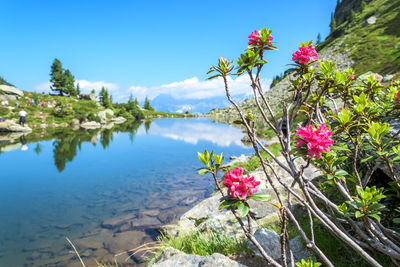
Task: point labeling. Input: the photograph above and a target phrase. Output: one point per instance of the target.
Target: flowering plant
(362, 139)
(317, 141)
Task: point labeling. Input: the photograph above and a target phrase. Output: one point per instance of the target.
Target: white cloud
(193, 88)
(84, 85)
(87, 86)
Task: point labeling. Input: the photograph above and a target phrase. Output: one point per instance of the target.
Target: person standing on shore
(22, 117)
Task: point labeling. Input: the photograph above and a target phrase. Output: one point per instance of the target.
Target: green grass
(206, 243)
(254, 162)
(373, 47)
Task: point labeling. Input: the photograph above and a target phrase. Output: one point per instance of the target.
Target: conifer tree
(78, 89)
(147, 104)
(319, 39)
(57, 77)
(69, 83)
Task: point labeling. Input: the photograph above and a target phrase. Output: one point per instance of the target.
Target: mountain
(168, 103)
(365, 35)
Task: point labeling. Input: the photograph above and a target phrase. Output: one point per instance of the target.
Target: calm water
(107, 190)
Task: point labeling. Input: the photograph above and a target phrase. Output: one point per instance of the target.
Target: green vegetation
(339, 253)
(3, 81)
(62, 80)
(373, 47)
(206, 243)
(105, 98)
(254, 162)
(147, 105)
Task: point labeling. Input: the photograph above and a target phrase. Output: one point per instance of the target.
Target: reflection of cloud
(194, 131)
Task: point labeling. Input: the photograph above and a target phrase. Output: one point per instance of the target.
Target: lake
(107, 190)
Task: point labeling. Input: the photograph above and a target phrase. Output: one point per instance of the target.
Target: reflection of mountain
(167, 103)
(195, 131)
(67, 142)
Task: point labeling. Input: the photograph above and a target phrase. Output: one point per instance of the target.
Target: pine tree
(319, 38)
(105, 97)
(78, 89)
(147, 104)
(57, 77)
(69, 83)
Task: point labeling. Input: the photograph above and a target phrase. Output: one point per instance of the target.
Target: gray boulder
(90, 125)
(171, 257)
(118, 120)
(270, 242)
(103, 114)
(11, 126)
(11, 90)
(92, 97)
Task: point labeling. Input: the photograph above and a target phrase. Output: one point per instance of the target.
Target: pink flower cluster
(317, 141)
(398, 96)
(239, 185)
(305, 54)
(254, 38)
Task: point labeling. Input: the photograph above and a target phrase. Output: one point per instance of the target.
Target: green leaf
(375, 216)
(396, 220)
(260, 196)
(366, 159)
(242, 209)
(203, 171)
(358, 214)
(341, 173)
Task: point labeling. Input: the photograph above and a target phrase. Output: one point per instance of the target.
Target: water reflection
(197, 130)
(67, 142)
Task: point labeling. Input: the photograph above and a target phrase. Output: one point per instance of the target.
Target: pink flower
(254, 38)
(305, 54)
(398, 96)
(239, 185)
(352, 77)
(317, 141)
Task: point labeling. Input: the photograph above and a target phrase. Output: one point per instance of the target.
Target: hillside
(365, 36)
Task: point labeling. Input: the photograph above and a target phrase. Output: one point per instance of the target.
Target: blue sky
(144, 47)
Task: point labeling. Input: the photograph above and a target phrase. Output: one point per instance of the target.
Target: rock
(118, 120)
(174, 258)
(11, 126)
(92, 97)
(270, 242)
(103, 115)
(369, 73)
(387, 78)
(75, 122)
(11, 90)
(371, 20)
(90, 125)
(9, 97)
(116, 222)
(124, 241)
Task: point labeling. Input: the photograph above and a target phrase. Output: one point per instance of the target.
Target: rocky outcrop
(103, 114)
(118, 120)
(90, 125)
(92, 97)
(175, 258)
(10, 92)
(270, 241)
(11, 126)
